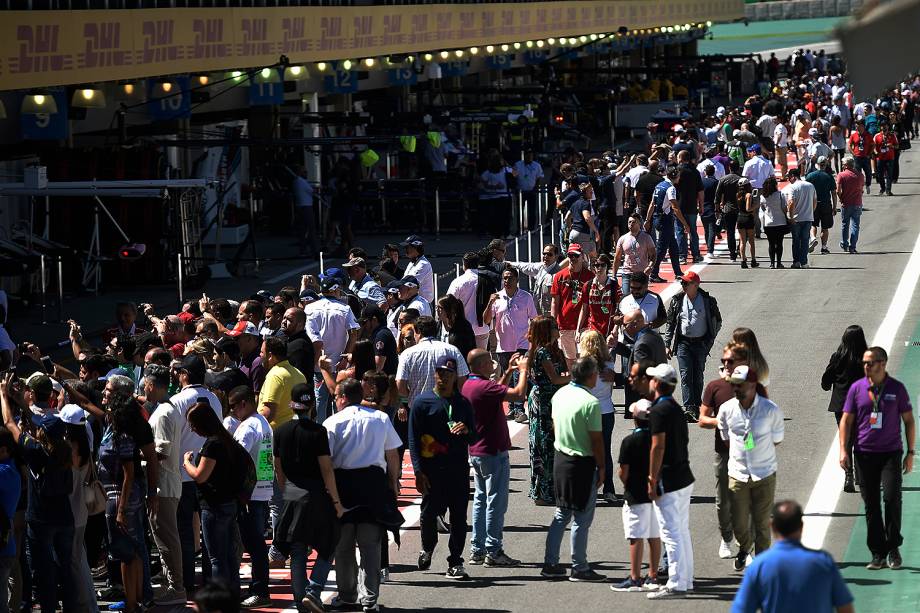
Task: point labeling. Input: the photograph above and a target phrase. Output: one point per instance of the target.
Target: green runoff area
(758, 36)
(886, 590)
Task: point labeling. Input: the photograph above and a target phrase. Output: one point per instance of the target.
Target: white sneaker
(812, 244)
(725, 550)
(666, 593)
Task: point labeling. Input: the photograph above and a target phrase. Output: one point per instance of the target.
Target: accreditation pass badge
(749, 441)
(875, 420)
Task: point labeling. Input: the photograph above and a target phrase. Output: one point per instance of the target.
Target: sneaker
(170, 596)
(651, 584)
(521, 419)
(780, 265)
(457, 572)
(611, 497)
(656, 279)
(683, 261)
(795, 265)
(878, 561)
(825, 251)
(853, 250)
(844, 246)
(888, 193)
(312, 604)
(339, 604)
(371, 608)
(118, 606)
(806, 266)
(692, 415)
(256, 601)
(740, 561)
(627, 585)
(424, 560)
(725, 550)
(666, 593)
(110, 593)
(384, 575)
(553, 571)
(894, 559)
(812, 244)
(587, 576)
(754, 263)
(743, 263)
(772, 265)
(501, 559)
(476, 559)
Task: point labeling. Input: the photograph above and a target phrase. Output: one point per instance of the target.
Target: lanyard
(876, 396)
(447, 406)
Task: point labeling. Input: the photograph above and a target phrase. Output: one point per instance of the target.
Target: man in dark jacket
(694, 322)
(648, 346)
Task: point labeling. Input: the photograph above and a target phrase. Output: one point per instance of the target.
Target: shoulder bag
(93, 494)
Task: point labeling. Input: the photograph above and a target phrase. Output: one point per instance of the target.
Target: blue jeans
(323, 398)
(580, 527)
(252, 519)
(50, 555)
(607, 421)
(666, 243)
(711, 230)
(299, 583)
(691, 362)
(801, 233)
(681, 237)
(491, 476)
(863, 164)
(849, 227)
(216, 525)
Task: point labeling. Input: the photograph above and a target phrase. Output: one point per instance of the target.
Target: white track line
(824, 497)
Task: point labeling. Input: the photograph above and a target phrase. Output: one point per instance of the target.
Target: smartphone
(755, 192)
(47, 364)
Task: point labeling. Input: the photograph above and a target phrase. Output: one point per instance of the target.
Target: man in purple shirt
(489, 454)
(877, 405)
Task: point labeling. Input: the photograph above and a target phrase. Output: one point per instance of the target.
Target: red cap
(574, 248)
(690, 277)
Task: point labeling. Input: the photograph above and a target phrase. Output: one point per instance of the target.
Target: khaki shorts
(567, 344)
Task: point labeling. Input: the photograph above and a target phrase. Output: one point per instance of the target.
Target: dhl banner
(43, 48)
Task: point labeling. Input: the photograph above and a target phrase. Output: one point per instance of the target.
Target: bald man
(648, 346)
(489, 454)
(299, 346)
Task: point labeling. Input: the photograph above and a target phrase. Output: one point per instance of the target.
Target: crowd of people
(277, 425)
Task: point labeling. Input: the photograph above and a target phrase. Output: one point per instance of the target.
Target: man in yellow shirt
(275, 395)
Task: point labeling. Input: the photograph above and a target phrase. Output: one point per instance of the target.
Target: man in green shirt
(826, 191)
(578, 471)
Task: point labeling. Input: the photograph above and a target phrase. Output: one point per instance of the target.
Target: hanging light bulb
(540, 44)
(128, 89)
(529, 44)
(166, 86)
(295, 73)
(321, 66)
(593, 37)
(708, 24)
(490, 48)
(551, 41)
(88, 98)
(517, 45)
(505, 47)
(474, 50)
(369, 62)
(459, 52)
(33, 104)
(583, 38)
(602, 36)
(428, 57)
(347, 64)
(444, 55)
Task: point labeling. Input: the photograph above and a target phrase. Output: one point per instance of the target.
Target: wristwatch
(910, 452)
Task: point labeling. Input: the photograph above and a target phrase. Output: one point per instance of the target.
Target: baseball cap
(663, 372)
(52, 425)
(393, 286)
(263, 295)
(308, 295)
(226, 380)
(338, 273)
(244, 327)
(574, 248)
(302, 397)
(690, 277)
(720, 111)
(639, 408)
(193, 365)
(446, 362)
(415, 240)
(755, 148)
(330, 283)
(372, 310)
(225, 344)
(72, 414)
(812, 131)
(741, 374)
(40, 384)
(822, 160)
(359, 262)
(116, 371)
(409, 281)
(678, 127)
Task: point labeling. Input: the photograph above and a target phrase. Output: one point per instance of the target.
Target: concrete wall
(800, 9)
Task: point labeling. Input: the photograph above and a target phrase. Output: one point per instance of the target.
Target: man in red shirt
(862, 147)
(567, 292)
(886, 144)
(849, 192)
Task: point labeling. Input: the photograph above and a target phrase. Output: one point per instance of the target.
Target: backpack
(246, 468)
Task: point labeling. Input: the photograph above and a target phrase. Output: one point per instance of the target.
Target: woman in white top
(773, 220)
(494, 198)
(593, 344)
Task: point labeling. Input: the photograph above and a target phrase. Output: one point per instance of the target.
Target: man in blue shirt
(789, 576)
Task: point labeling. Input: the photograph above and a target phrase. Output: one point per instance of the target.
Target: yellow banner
(44, 48)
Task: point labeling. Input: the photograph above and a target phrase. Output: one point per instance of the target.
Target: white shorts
(639, 521)
(567, 344)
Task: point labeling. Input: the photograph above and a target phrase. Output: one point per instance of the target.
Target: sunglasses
(728, 361)
(574, 256)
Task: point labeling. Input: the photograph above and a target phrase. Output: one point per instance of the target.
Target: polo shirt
(421, 269)
(329, 321)
(279, 383)
(487, 398)
(851, 186)
(576, 412)
(254, 434)
(527, 174)
(542, 282)
(385, 346)
(885, 146)
(757, 169)
(893, 400)
(861, 145)
(511, 317)
(752, 436)
(790, 577)
(359, 437)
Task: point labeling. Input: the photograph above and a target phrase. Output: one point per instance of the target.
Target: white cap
(663, 372)
(678, 127)
(639, 408)
(720, 111)
(72, 414)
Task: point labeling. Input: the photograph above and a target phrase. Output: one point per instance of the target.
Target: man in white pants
(670, 481)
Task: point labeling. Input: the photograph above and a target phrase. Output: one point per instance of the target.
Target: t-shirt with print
(223, 482)
(255, 435)
(666, 417)
(567, 289)
(718, 392)
(885, 146)
(486, 398)
(635, 251)
(878, 414)
(634, 453)
(861, 144)
(602, 304)
(48, 487)
(298, 444)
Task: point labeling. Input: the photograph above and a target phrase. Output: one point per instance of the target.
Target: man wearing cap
(663, 212)
(409, 288)
(332, 327)
(567, 295)
(464, 289)
(250, 341)
(802, 200)
(394, 306)
(694, 322)
(670, 481)
(38, 393)
(757, 168)
(816, 149)
(374, 328)
(849, 190)
(362, 284)
(753, 427)
(826, 197)
(419, 266)
(441, 428)
(190, 372)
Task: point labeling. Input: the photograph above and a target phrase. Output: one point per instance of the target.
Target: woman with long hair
(844, 368)
(594, 345)
(406, 338)
(773, 217)
(217, 474)
(604, 295)
(746, 337)
(746, 222)
(459, 331)
(547, 367)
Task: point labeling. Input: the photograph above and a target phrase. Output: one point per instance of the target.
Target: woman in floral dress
(547, 369)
